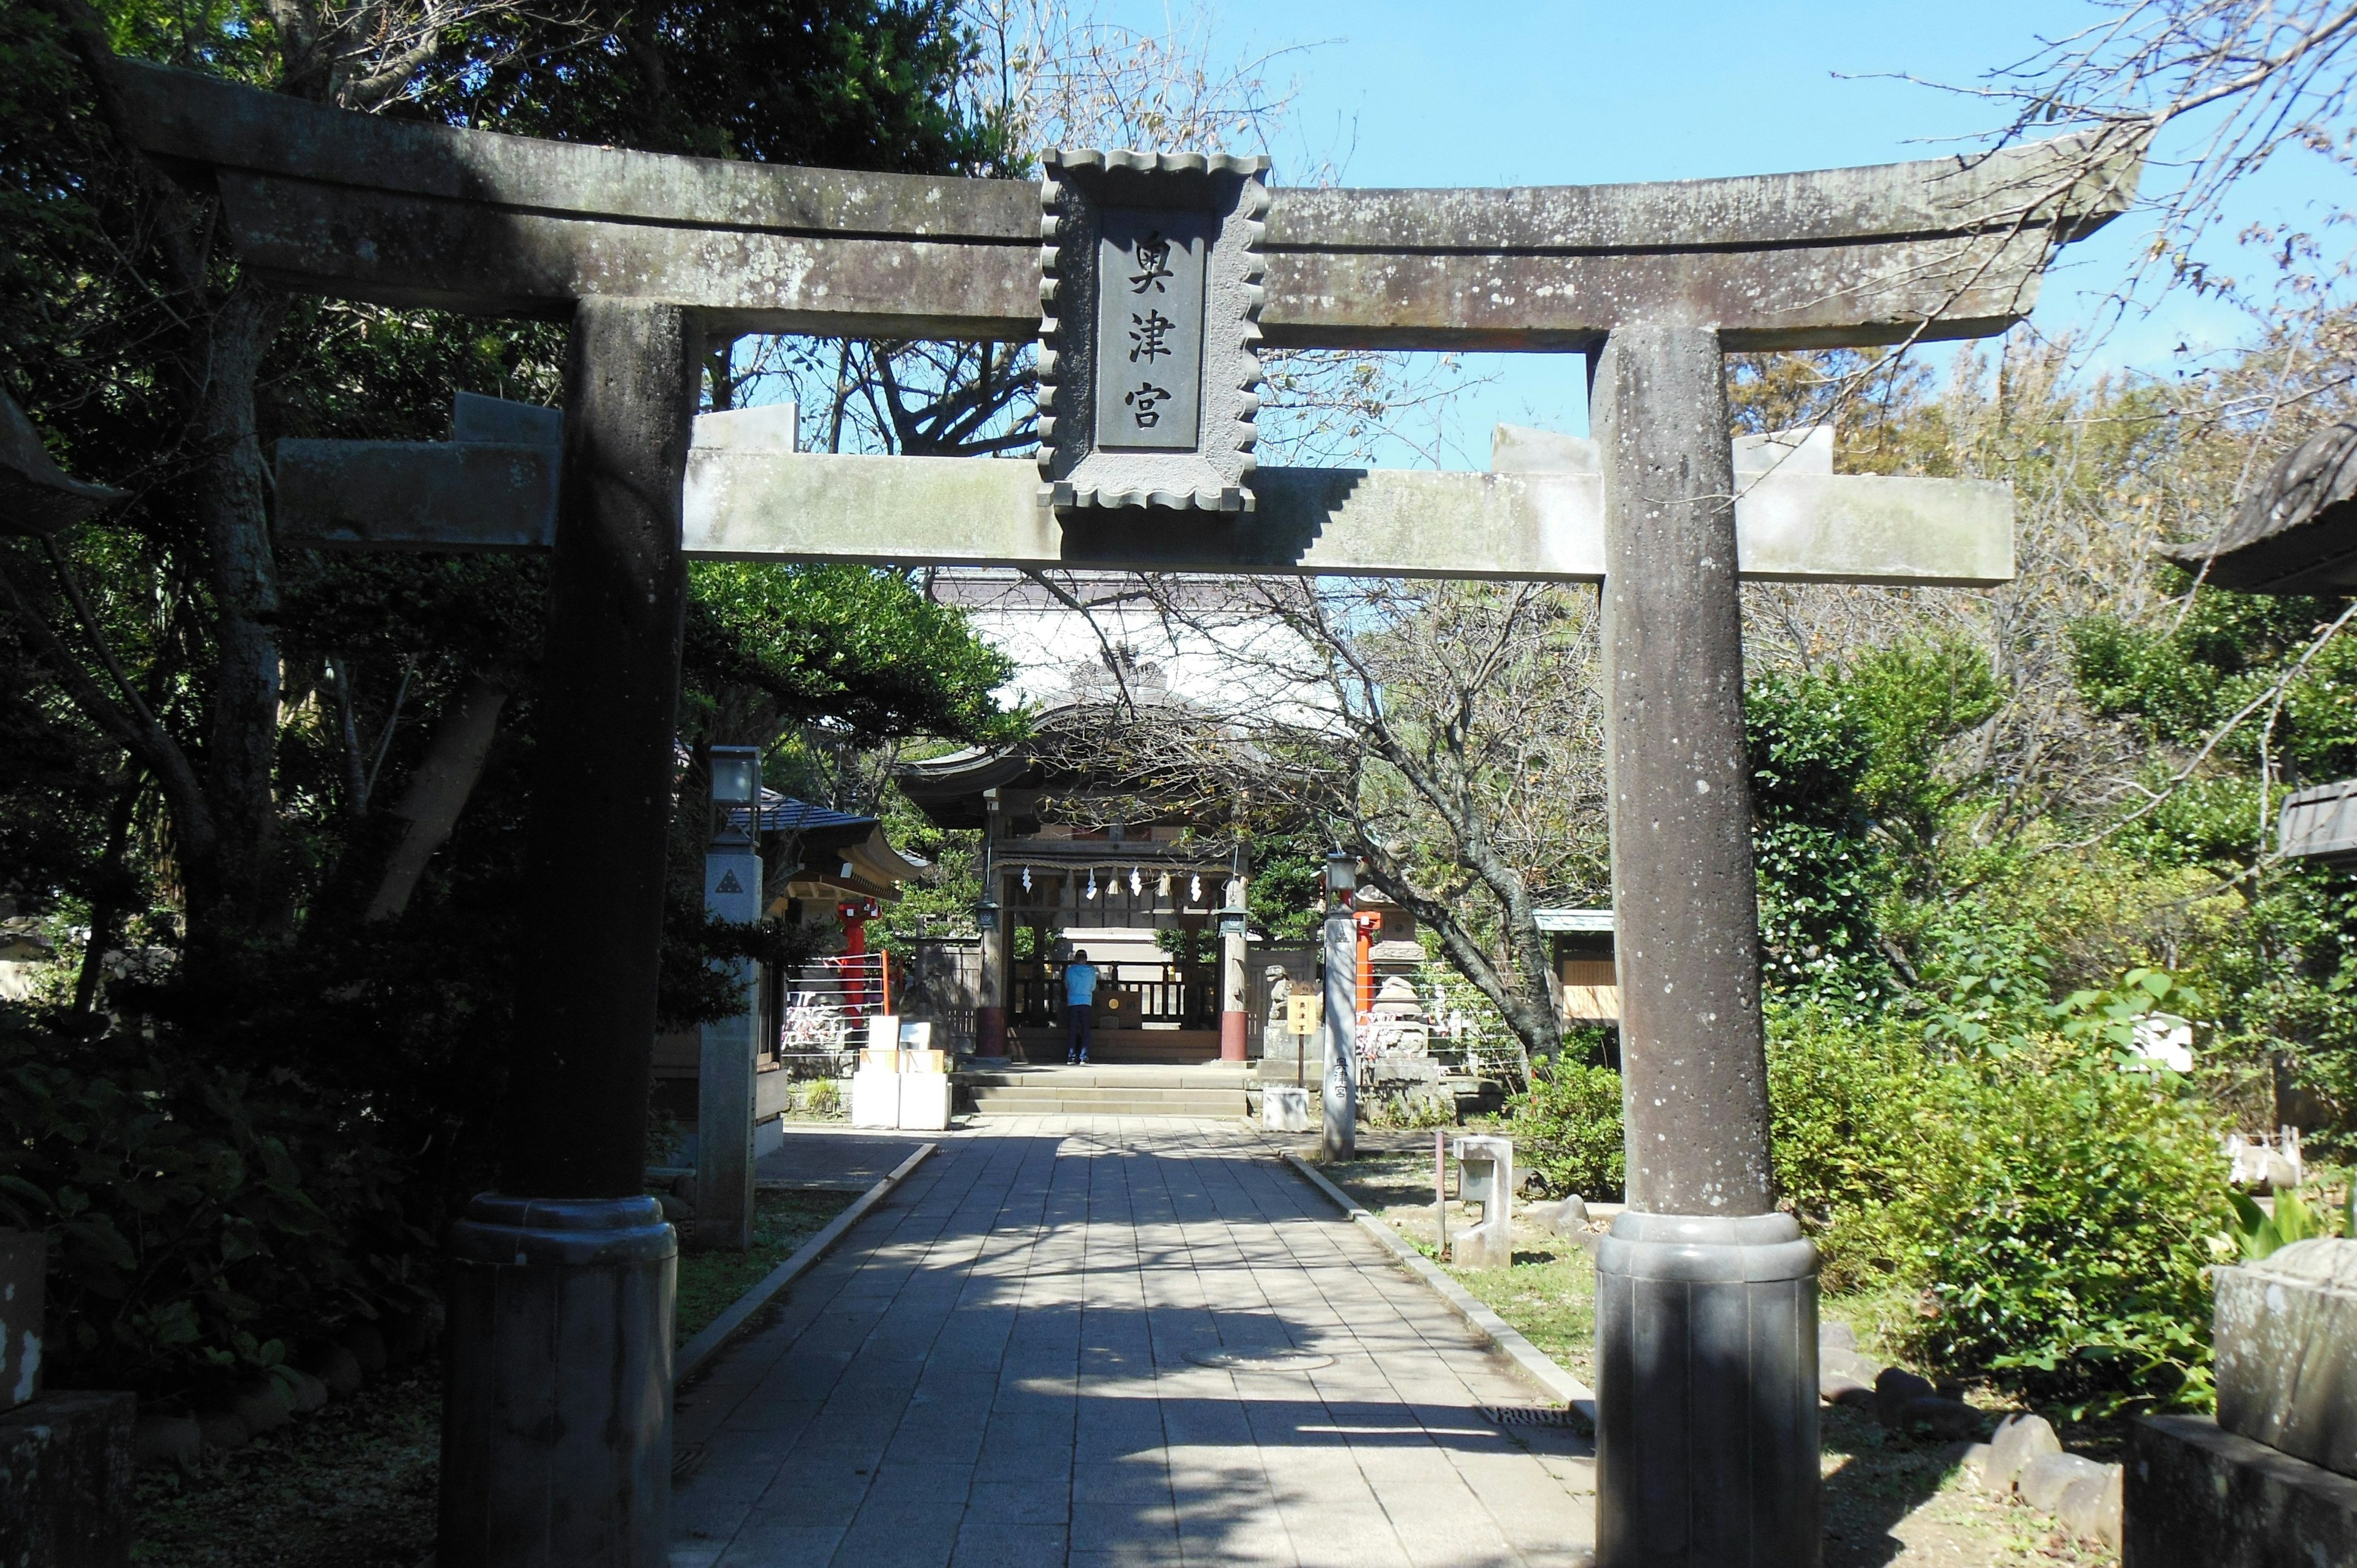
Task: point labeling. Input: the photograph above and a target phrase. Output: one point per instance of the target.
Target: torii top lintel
(407, 213)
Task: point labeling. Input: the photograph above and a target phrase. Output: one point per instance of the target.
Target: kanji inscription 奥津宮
(1150, 296)
(1150, 329)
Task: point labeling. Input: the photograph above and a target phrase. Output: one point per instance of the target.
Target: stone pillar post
(557, 1402)
(1235, 1006)
(1706, 1391)
(990, 1002)
(727, 1067)
(1339, 1102)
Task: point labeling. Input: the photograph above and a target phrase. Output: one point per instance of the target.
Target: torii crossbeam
(556, 1434)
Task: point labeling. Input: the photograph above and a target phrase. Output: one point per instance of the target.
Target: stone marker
(728, 1051)
(2019, 1439)
(2287, 1348)
(1485, 1175)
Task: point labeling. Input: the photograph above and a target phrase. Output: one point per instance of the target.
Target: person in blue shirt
(1080, 1006)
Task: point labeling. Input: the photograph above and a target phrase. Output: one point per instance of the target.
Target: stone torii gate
(556, 1428)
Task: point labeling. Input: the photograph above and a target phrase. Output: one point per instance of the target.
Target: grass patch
(350, 1487)
(710, 1283)
(1549, 1293)
(1548, 1296)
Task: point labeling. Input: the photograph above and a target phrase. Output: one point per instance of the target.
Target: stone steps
(1107, 1090)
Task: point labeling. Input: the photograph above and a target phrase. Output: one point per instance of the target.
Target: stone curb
(697, 1351)
(1533, 1362)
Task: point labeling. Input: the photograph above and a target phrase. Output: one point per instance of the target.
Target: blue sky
(1524, 92)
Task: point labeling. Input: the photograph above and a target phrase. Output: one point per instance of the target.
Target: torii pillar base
(556, 1399)
(1706, 1393)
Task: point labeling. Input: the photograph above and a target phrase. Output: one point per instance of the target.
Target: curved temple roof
(2297, 533)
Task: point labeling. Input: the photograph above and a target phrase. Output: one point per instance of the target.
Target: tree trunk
(232, 507)
(438, 791)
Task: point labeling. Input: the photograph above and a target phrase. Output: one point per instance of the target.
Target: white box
(874, 1097)
(917, 1035)
(925, 1102)
(884, 1032)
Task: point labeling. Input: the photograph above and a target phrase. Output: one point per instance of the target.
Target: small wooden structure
(1584, 966)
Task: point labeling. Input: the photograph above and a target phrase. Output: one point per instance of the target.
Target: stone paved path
(853, 1162)
(994, 1370)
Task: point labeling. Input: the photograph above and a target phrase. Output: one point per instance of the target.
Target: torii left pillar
(557, 1404)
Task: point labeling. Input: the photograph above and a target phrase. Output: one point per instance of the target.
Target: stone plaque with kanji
(1149, 372)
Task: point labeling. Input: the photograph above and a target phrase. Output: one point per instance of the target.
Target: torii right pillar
(1706, 1296)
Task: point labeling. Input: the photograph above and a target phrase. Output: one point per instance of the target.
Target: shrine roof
(2297, 533)
(1573, 919)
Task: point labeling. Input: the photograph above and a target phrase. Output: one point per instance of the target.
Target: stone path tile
(994, 1368)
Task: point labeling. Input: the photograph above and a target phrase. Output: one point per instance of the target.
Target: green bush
(2060, 1213)
(202, 1222)
(1567, 1127)
(1842, 1098)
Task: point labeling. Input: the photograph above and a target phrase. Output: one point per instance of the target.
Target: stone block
(304, 1392)
(1940, 1417)
(2018, 1440)
(1833, 1334)
(1283, 1109)
(366, 1342)
(222, 1432)
(262, 1405)
(1567, 1217)
(2044, 1479)
(161, 1442)
(2286, 1346)
(1893, 1387)
(339, 1370)
(66, 1463)
(2090, 1507)
(1843, 1388)
(2200, 1497)
(1849, 1363)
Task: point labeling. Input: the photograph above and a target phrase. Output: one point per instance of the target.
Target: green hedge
(1567, 1127)
(2051, 1212)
